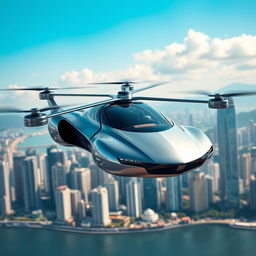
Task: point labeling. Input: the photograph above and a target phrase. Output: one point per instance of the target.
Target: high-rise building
(5, 198)
(252, 133)
(113, 194)
(54, 155)
(174, 193)
(122, 181)
(81, 209)
(198, 192)
(133, 199)
(252, 196)
(59, 175)
(81, 180)
(214, 172)
(209, 181)
(161, 195)
(245, 167)
(7, 156)
(31, 186)
(42, 165)
(243, 137)
(253, 160)
(100, 207)
(75, 199)
(18, 160)
(227, 141)
(150, 193)
(63, 204)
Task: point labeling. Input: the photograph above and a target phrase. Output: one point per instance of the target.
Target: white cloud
(23, 99)
(197, 62)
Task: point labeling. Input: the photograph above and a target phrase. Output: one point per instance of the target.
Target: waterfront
(194, 240)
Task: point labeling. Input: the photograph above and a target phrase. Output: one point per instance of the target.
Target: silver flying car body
(125, 136)
(133, 139)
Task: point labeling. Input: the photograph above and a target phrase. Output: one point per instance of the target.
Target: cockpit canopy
(134, 117)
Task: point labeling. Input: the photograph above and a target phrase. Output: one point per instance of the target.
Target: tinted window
(134, 117)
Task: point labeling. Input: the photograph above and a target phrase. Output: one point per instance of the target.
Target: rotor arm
(82, 95)
(82, 107)
(170, 99)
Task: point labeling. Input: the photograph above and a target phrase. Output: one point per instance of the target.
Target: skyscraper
(81, 180)
(161, 189)
(58, 175)
(150, 193)
(253, 160)
(5, 198)
(198, 192)
(100, 207)
(133, 199)
(214, 172)
(63, 204)
(81, 209)
(227, 141)
(75, 196)
(252, 133)
(31, 184)
(18, 160)
(252, 196)
(174, 193)
(113, 194)
(54, 155)
(245, 167)
(42, 165)
(209, 181)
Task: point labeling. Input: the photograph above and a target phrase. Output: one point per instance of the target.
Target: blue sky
(41, 40)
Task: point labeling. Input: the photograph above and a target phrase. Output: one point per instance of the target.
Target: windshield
(137, 117)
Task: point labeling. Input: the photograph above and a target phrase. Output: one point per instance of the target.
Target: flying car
(126, 136)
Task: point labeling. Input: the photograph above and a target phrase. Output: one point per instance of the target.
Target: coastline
(84, 230)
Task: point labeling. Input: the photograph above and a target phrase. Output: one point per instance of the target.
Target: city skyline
(72, 175)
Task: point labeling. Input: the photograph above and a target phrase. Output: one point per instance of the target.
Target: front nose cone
(175, 145)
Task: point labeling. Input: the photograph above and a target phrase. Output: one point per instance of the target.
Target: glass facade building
(227, 141)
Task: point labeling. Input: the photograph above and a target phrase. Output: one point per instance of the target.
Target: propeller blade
(227, 94)
(124, 82)
(13, 110)
(148, 87)
(25, 89)
(18, 110)
(239, 93)
(198, 92)
(71, 88)
(46, 88)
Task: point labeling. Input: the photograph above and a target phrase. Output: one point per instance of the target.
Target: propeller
(227, 94)
(33, 110)
(45, 88)
(149, 87)
(119, 82)
(127, 83)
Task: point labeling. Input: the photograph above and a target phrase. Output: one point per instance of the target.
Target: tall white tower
(100, 207)
(113, 194)
(133, 199)
(81, 180)
(198, 192)
(63, 204)
(5, 199)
